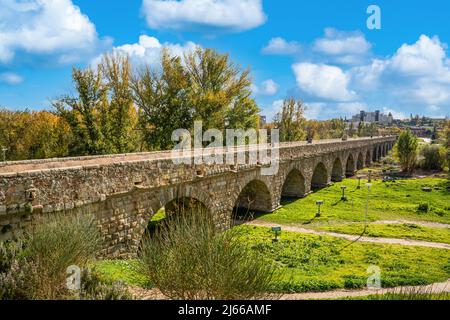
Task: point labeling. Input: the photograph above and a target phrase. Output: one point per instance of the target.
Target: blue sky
(320, 51)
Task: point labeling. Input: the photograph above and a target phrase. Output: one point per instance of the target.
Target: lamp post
(276, 231)
(359, 182)
(343, 198)
(319, 204)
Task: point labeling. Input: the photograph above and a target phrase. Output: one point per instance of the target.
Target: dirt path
(419, 223)
(403, 242)
(337, 294)
(154, 294)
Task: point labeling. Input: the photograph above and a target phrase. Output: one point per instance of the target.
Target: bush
(35, 266)
(190, 258)
(432, 157)
(423, 207)
(406, 151)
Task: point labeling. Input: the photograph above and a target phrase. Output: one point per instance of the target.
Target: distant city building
(373, 117)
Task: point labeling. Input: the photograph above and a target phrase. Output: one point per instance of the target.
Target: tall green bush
(406, 151)
(432, 157)
(34, 267)
(190, 258)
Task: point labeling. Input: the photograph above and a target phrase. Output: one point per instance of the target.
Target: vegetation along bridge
(125, 191)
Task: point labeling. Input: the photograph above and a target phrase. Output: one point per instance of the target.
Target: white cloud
(341, 43)
(148, 50)
(396, 114)
(44, 27)
(267, 88)
(11, 78)
(279, 46)
(231, 15)
(425, 57)
(271, 111)
(323, 81)
(343, 47)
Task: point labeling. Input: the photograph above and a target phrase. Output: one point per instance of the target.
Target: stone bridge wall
(123, 192)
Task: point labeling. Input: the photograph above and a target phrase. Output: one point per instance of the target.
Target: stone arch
(320, 177)
(350, 166)
(294, 185)
(255, 196)
(175, 202)
(360, 162)
(380, 154)
(368, 158)
(337, 172)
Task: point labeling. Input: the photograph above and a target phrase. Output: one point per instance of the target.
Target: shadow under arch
(175, 208)
(320, 177)
(350, 166)
(294, 185)
(255, 197)
(360, 162)
(337, 173)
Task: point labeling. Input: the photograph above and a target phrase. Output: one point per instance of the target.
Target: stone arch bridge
(124, 191)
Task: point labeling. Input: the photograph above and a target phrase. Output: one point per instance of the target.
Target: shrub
(406, 151)
(423, 207)
(190, 258)
(432, 157)
(95, 287)
(35, 266)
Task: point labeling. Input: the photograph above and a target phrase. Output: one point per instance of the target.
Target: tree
(406, 151)
(84, 112)
(162, 99)
(102, 116)
(290, 121)
(447, 142)
(33, 135)
(120, 119)
(204, 85)
(220, 91)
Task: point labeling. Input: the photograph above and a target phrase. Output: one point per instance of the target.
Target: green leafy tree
(101, 116)
(291, 121)
(406, 151)
(83, 112)
(204, 85)
(120, 118)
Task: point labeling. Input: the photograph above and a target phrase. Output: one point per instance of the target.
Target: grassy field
(398, 200)
(399, 231)
(319, 263)
(306, 262)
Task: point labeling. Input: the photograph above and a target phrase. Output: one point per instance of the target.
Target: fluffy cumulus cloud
(414, 79)
(343, 47)
(10, 78)
(279, 46)
(229, 15)
(267, 88)
(45, 27)
(323, 81)
(148, 51)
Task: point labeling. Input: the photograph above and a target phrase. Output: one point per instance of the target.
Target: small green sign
(276, 229)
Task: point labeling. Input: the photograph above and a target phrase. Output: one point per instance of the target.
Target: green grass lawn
(388, 201)
(400, 231)
(121, 270)
(317, 263)
(306, 263)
